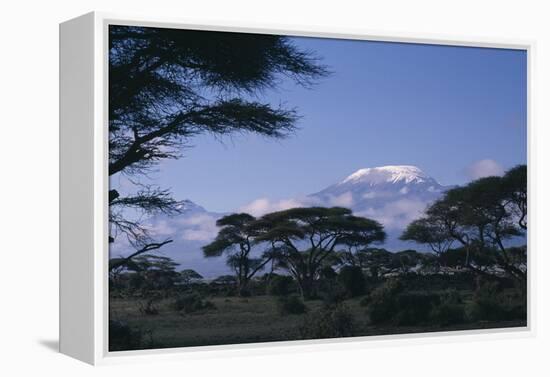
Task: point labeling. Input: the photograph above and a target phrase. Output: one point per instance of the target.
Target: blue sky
(454, 112)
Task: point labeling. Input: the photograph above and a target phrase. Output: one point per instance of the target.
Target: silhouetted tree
(404, 261)
(303, 238)
(168, 85)
(430, 231)
(150, 272)
(481, 216)
(189, 276)
(236, 240)
(353, 246)
(514, 185)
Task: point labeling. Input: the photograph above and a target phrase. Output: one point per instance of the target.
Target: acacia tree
(432, 232)
(236, 240)
(514, 186)
(355, 247)
(304, 238)
(479, 216)
(167, 86)
(377, 261)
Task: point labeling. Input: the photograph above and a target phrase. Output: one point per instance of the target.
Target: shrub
(414, 308)
(280, 285)
(490, 303)
(123, 337)
(382, 302)
(331, 322)
(389, 303)
(291, 305)
(149, 308)
(450, 309)
(333, 295)
(327, 273)
(225, 285)
(365, 301)
(353, 280)
(192, 302)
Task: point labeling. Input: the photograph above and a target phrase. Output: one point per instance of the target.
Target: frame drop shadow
(52, 345)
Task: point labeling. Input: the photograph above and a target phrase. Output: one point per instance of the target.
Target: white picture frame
(84, 191)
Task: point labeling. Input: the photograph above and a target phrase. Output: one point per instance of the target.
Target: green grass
(247, 320)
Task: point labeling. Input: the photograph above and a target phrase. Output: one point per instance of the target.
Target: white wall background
(29, 185)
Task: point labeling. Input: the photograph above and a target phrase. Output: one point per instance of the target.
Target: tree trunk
(307, 287)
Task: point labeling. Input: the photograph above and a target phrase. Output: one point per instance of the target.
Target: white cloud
(262, 206)
(396, 214)
(161, 228)
(484, 168)
(201, 227)
(343, 200)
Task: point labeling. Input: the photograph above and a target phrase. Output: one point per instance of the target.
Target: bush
(491, 303)
(382, 302)
(225, 285)
(333, 295)
(450, 310)
(353, 280)
(192, 302)
(389, 303)
(365, 301)
(414, 308)
(328, 323)
(149, 308)
(290, 305)
(280, 285)
(122, 337)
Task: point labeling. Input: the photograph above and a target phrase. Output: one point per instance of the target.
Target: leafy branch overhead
(167, 86)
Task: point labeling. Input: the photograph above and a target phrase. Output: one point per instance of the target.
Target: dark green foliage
(236, 240)
(450, 310)
(491, 303)
(122, 337)
(323, 229)
(377, 261)
(327, 273)
(464, 281)
(189, 276)
(405, 261)
(290, 305)
(353, 280)
(391, 303)
(328, 322)
(333, 295)
(280, 285)
(514, 186)
(382, 301)
(486, 304)
(191, 303)
(429, 231)
(148, 307)
(479, 217)
(414, 308)
(224, 280)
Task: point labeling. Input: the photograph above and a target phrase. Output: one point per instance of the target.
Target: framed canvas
(250, 189)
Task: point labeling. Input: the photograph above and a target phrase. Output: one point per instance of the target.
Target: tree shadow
(52, 345)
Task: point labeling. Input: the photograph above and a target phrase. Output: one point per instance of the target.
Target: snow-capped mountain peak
(387, 174)
(394, 195)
